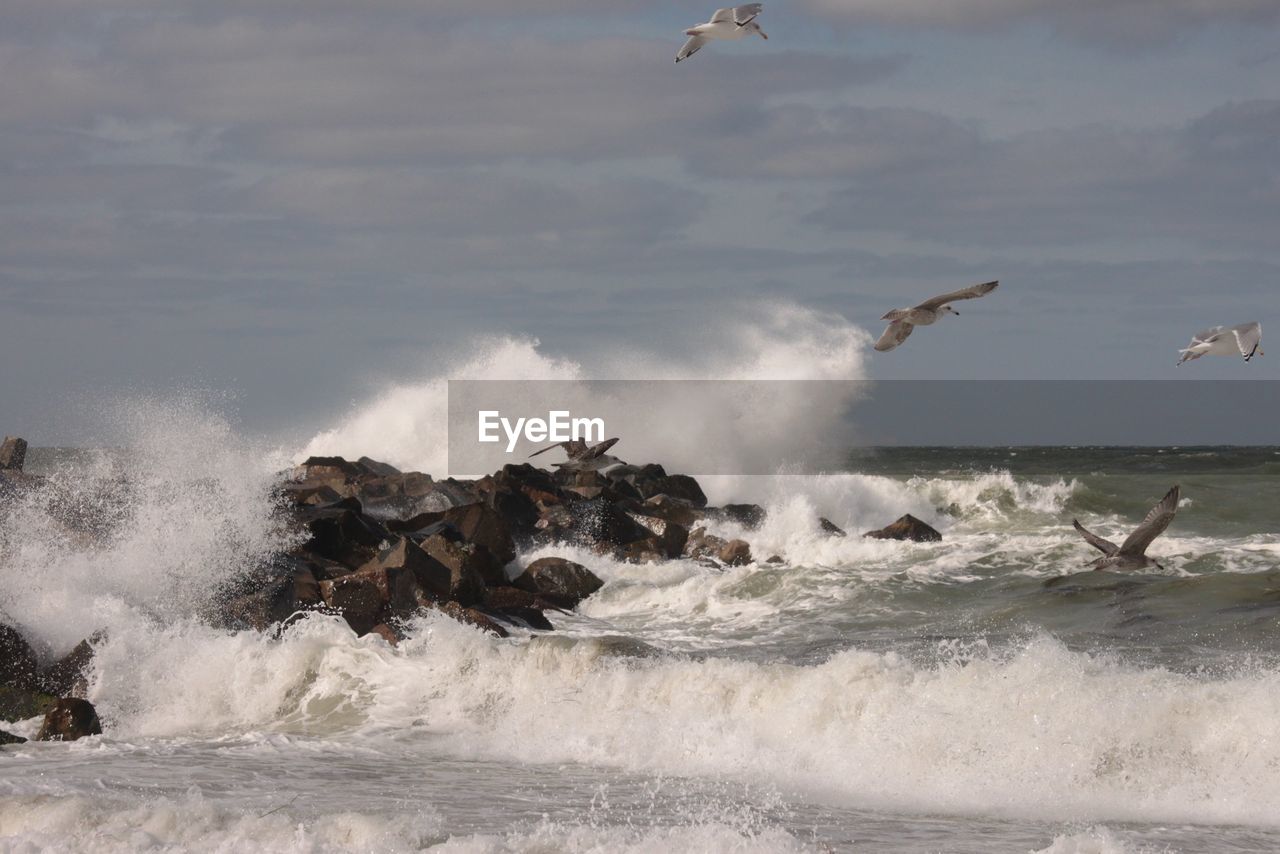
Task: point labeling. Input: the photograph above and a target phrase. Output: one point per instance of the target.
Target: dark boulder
(700, 544)
(473, 617)
(13, 453)
(468, 567)
(70, 718)
(554, 576)
(342, 533)
(594, 522)
(670, 509)
(907, 528)
(273, 592)
(376, 468)
(749, 516)
(10, 738)
(66, 677)
(360, 598)
(652, 480)
(830, 528)
(408, 576)
(17, 660)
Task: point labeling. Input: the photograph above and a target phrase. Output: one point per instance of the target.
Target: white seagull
(1245, 339)
(584, 457)
(1132, 553)
(729, 24)
(902, 321)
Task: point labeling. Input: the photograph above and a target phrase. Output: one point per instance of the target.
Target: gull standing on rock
(1132, 553)
(902, 321)
(1245, 339)
(726, 24)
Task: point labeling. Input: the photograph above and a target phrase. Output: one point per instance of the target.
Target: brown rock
(671, 509)
(70, 718)
(735, 553)
(749, 516)
(471, 616)
(830, 527)
(66, 677)
(387, 633)
(907, 528)
(700, 544)
(555, 576)
(360, 597)
(467, 565)
(13, 453)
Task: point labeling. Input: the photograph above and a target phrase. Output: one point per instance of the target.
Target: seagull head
(946, 309)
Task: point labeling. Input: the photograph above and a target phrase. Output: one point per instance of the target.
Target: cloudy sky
(296, 202)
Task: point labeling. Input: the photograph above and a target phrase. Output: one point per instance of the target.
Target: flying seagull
(1132, 553)
(726, 24)
(584, 457)
(902, 321)
(1245, 339)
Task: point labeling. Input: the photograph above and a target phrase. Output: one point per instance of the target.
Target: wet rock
(13, 453)
(311, 495)
(675, 485)
(17, 660)
(700, 544)
(749, 516)
(670, 509)
(506, 598)
(774, 560)
(377, 468)
(467, 565)
(594, 522)
(555, 576)
(735, 553)
(408, 576)
(387, 633)
(10, 738)
(273, 592)
(907, 528)
(343, 534)
(18, 704)
(473, 617)
(70, 719)
(360, 598)
(529, 618)
(830, 527)
(66, 677)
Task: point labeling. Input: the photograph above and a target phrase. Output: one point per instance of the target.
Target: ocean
(861, 695)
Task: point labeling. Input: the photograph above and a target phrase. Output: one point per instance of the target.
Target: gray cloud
(1116, 23)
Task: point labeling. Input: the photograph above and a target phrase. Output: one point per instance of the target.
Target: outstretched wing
(1152, 526)
(575, 448)
(548, 448)
(895, 334)
(1105, 546)
(596, 450)
(967, 293)
(1249, 338)
(743, 15)
(692, 46)
(723, 16)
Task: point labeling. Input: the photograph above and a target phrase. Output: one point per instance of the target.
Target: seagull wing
(894, 335)
(723, 16)
(746, 14)
(1105, 546)
(548, 448)
(1152, 526)
(596, 450)
(1249, 339)
(692, 46)
(967, 293)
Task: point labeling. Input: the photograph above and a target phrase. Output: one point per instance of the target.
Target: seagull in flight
(584, 457)
(1132, 553)
(1245, 339)
(730, 24)
(903, 321)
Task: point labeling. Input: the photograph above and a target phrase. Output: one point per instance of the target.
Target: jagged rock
(594, 522)
(555, 576)
(749, 516)
(408, 576)
(360, 598)
(670, 509)
(506, 598)
(10, 738)
(13, 453)
(700, 544)
(311, 495)
(652, 480)
(471, 616)
(468, 567)
(270, 594)
(907, 528)
(17, 660)
(830, 527)
(377, 468)
(18, 704)
(530, 618)
(66, 677)
(70, 719)
(387, 633)
(735, 553)
(341, 533)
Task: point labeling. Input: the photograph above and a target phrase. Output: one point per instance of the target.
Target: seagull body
(903, 321)
(584, 457)
(728, 24)
(1243, 340)
(1132, 553)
